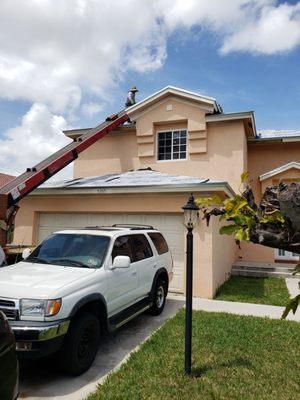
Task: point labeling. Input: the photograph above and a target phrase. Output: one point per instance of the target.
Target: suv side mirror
(26, 253)
(121, 262)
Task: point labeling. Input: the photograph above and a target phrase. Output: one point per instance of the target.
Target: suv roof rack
(101, 228)
(133, 226)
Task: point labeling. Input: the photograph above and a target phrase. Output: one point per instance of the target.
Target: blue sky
(269, 85)
(69, 63)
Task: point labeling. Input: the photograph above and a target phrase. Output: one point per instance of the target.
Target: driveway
(40, 381)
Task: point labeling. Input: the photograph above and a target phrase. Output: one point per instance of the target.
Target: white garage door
(170, 225)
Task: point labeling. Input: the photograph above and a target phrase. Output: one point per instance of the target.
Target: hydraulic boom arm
(33, 177)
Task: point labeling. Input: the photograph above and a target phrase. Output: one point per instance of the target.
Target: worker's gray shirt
(130, 101)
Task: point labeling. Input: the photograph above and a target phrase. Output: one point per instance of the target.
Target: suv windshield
(69, 249)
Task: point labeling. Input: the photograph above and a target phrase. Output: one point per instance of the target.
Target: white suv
(79, 283)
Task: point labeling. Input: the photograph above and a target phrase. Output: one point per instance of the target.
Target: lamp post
(191, 217)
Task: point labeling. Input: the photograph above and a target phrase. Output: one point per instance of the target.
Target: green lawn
(237, 358)
(254, 290)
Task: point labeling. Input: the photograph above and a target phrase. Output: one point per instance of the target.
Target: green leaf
(228, 230)
(296, 270)
(291, 306)
(215, 200)
(244, 176)
(242, 235)
(275, 216)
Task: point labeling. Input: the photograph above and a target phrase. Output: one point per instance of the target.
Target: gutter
(284, 139)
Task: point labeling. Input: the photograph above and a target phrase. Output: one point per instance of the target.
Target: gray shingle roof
(130, 179)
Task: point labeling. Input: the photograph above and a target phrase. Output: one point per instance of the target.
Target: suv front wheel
(81, 344)
(159, 297)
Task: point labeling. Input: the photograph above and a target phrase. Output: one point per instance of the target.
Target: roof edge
(175, 91)
(278, 170)
(198, 187)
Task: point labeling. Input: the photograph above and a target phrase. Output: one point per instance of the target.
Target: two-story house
(179, 142)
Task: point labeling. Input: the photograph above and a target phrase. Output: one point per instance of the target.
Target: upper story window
(171, 145)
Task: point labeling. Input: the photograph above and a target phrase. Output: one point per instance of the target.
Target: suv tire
(159, 297)
(81, 344)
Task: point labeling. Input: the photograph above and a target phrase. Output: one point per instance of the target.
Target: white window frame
(288, 255)
(172, 159)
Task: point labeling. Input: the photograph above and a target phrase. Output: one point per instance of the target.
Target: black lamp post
(191, 217)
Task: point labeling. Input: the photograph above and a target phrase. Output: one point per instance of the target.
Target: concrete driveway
(40, 381)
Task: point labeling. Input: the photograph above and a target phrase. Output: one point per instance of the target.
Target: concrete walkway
(255, 310)
(292, 285)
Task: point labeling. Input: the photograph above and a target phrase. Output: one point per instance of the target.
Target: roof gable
(278, 170)
(185, 95)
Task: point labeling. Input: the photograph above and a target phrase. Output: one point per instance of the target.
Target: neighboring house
(180, 142)
(4, 179)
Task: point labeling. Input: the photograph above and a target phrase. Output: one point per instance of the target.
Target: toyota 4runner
(77, 284)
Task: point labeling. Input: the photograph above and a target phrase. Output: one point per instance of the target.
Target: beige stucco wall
(211, 252)
(224, 252)
(215, 150)
(116, 152)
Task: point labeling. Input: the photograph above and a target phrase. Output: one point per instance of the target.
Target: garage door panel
(170, 225)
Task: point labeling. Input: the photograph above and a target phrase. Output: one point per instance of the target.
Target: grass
(271, 291)
(234, 358)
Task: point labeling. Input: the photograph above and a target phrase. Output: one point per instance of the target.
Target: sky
(68, 63)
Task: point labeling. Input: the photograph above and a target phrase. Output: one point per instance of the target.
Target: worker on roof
(130, 100)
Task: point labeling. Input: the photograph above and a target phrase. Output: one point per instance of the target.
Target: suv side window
(140, 247)
(159, 242)
(122, 247)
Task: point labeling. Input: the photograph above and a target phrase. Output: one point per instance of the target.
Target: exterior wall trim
(282, 168)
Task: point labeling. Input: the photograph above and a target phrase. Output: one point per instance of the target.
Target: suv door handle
(134, 272)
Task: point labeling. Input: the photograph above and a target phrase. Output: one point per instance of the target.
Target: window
(159, 242)
(140, 248)
(122, 247)
(171, 145)
(70, 249)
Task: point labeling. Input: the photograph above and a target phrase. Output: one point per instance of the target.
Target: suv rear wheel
(81, 344)
(159, 297)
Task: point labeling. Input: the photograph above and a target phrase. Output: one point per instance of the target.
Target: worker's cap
(134, 89)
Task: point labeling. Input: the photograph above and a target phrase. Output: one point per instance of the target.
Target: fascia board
(197, 187)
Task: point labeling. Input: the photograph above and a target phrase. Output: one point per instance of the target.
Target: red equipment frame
(21, 186)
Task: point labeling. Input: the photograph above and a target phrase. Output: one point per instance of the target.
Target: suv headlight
(39, 308)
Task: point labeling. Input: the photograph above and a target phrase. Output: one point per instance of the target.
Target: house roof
(5, 178)
(214, 110)
(278, 135)
(140, 181)
(172, 90)
(246, 116)
(278, 170)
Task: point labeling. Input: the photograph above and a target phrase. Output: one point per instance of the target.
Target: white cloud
(276, 30)
(39, 135)
(91, 108)
(54, 51)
